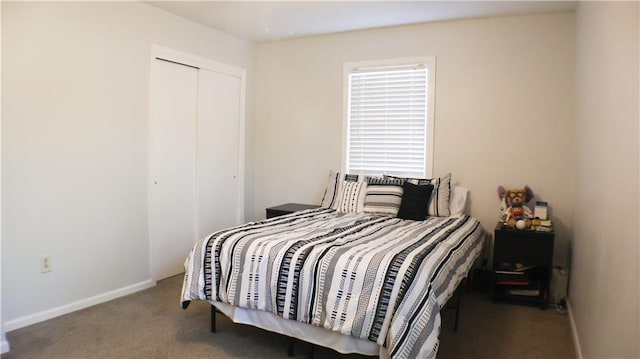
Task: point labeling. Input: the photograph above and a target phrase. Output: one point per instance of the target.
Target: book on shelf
(509, 272)
(513, 282)
(525, 292)
(507, 268)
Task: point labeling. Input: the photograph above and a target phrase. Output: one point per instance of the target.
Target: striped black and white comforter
(378, 278)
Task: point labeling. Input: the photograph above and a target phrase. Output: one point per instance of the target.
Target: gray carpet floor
(151, 324)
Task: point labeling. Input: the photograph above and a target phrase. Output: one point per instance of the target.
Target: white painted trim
(4, 347)
(346, 100)
(197, 61)
(4, 343)
(431, 113)
(241, 144)
(574, 332)
(638, 103)
(75, 306)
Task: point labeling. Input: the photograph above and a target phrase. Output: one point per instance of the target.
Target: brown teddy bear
(515, 212)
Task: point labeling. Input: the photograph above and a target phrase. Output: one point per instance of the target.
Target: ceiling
(264, 21)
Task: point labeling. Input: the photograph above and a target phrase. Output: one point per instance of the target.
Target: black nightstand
(522, 263)
(288, 208)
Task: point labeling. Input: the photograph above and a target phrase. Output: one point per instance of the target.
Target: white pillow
(458, 200)
(332, 190)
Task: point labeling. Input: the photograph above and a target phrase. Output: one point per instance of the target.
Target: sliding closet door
(172, 194)
(196, 111)
(219, 106)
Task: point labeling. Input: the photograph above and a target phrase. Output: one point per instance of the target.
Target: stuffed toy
(515, 212)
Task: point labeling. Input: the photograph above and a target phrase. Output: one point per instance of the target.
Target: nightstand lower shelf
(529, 288)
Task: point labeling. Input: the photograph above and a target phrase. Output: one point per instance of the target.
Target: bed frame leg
(455, 324)
(213, 319)
(311, 348)
(290, 347)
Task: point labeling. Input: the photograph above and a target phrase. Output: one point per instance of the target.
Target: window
(389, 117)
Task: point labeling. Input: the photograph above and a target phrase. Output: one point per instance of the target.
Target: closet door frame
(182, 58)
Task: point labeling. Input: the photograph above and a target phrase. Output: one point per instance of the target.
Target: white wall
(604, 292)
(74, 139)
(74, 146)
(503, 109)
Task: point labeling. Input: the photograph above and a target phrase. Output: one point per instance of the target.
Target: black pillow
(415, 201)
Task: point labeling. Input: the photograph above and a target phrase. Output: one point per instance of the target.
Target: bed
(355, 280)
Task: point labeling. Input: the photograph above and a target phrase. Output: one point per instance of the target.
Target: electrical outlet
(45, 264)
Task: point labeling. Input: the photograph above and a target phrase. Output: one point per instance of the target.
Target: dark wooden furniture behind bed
(288, 208)
(533, 252)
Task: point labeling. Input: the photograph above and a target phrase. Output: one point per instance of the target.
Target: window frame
(430, 64)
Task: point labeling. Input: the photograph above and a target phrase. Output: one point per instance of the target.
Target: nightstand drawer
(518, 248)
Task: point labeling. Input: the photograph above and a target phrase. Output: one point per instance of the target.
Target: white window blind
(387, 121)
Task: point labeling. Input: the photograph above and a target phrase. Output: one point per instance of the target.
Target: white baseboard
(574, 332)
(4, 347)
(75, 306)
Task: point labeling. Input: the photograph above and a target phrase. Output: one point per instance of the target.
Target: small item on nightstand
(540, 210)
(515, 212)
(544, 226)
(544, 229)
(546, 223)
(535, 223)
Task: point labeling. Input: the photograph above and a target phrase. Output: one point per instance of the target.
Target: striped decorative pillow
(440, 196)
(352, 196)
(332, 191)
(384, 196)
